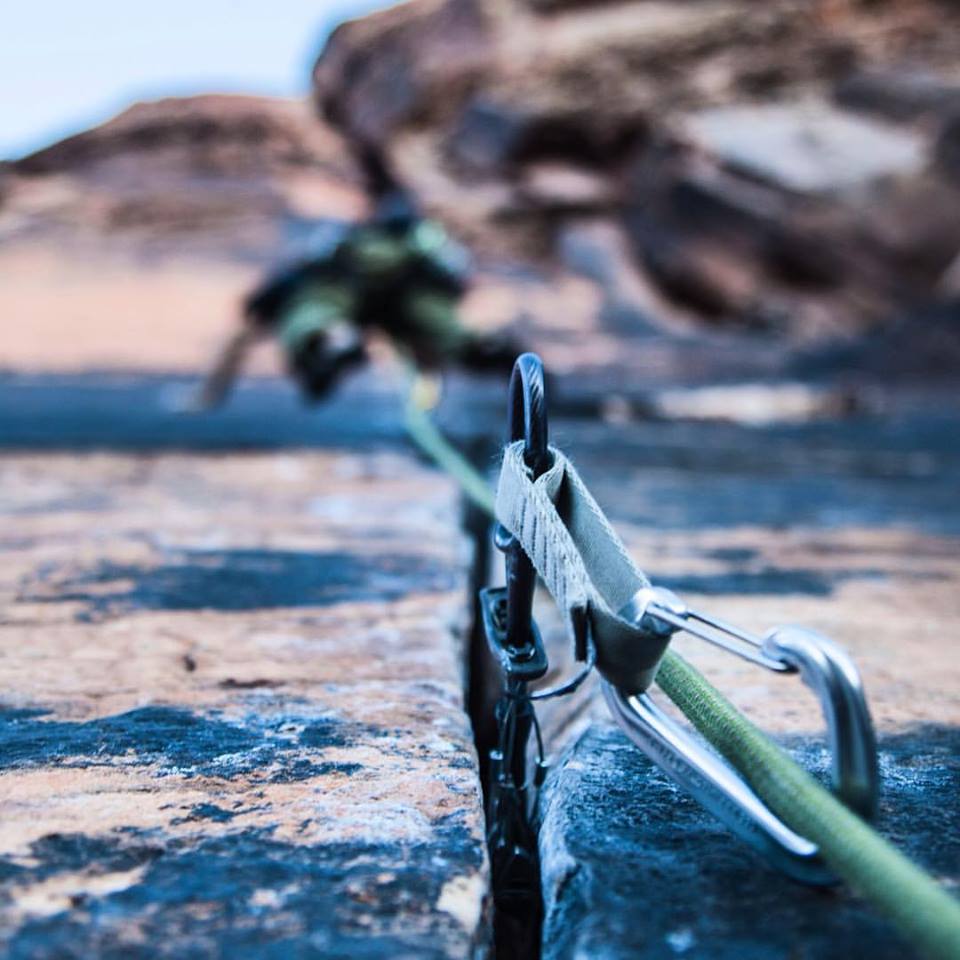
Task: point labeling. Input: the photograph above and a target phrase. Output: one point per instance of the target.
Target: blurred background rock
(658, 193)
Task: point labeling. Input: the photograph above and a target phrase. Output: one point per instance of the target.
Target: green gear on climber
(397, 272)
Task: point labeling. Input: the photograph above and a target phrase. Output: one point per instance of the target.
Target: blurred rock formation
(130, 245)
(659, 193)
(789, 167)
(216, 170)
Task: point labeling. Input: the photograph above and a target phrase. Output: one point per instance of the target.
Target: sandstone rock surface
(225, 176)
(233, 709)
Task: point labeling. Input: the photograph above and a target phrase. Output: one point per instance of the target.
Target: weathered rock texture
(786, 169)
(853, 532)
(233, 709)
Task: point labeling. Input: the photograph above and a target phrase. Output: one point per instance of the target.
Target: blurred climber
(396, 272)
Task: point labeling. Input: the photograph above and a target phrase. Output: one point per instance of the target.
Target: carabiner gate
(822, 665)
(515, 641)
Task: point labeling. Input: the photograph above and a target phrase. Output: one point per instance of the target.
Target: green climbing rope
(423, 431)
(925, 913)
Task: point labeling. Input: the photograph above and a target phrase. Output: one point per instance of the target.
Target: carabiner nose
(822, 665)
(526, 421)
(827, 669)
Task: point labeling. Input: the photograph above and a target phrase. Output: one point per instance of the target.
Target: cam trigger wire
(571, 685)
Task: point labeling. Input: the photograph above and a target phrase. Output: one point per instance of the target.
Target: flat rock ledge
(233, 709)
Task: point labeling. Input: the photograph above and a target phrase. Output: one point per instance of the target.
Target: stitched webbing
(581, 560)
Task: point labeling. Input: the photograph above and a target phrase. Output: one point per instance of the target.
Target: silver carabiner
(822, 665)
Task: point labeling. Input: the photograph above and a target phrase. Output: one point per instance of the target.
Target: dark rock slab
(633, 868)
(947, 148)
(905, 94)
(120, 411)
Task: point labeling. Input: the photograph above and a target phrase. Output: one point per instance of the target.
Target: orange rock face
(233, 710)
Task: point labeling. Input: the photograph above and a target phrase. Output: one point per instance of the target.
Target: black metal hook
(527, 412)
(515, 640)
(526, 421)
(509, 612)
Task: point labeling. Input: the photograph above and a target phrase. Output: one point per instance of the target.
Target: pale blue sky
(66, 64)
